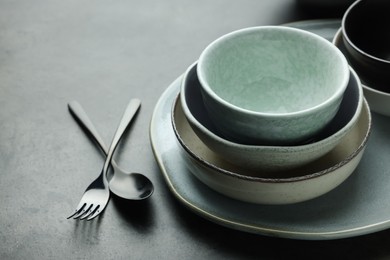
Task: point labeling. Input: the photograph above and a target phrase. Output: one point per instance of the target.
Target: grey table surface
(102, 53)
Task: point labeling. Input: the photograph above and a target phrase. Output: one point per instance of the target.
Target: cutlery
(127, 185)
(96, 196)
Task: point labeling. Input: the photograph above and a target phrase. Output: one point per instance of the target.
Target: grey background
(102, 53)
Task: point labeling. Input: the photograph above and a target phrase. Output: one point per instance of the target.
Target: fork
(97, 195)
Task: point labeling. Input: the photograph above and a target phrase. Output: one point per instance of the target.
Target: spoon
(132, 186)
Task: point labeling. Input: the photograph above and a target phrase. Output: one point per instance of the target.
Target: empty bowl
(263, 157)
(366, 36)
(378, 100)
(286, 187)
(272, 85)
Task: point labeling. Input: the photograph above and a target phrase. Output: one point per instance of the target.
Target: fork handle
(82, 118)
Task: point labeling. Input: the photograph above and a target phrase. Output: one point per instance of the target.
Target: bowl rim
(335, 95)
(228, 173)
(338, 42)
(354, 46)
(293, 148)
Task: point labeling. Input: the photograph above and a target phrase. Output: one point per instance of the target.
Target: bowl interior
(193, 99)
(373, 82)
(367, 25)
(347, 149)
(374, 91)
(272, 69)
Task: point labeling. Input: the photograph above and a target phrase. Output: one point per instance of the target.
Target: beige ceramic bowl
(302, 184)
(269, 158)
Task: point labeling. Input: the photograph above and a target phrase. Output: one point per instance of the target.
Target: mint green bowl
(269, 158)
(272, 85)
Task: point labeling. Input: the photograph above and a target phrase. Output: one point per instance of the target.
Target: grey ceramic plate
(360, 205)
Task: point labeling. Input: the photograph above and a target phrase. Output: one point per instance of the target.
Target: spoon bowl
(131, 186)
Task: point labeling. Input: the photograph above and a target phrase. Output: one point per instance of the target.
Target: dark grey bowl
(366, 36)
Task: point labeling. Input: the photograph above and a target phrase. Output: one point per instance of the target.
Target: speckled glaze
(269, 158)
(307, 182)
(272, 84)
(378, 100)
(359, 206)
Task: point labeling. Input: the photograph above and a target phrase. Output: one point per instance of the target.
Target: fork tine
(83, 211)
(90, 211)
(95, 213)
(79, 209)
(98, 191)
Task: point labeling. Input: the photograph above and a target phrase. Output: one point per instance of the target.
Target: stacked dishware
(364, 39)
(271, 115)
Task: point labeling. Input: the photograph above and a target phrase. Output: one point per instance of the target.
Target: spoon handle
(128, 115)
(82, 118)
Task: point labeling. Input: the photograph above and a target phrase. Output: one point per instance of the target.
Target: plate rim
(247, 227)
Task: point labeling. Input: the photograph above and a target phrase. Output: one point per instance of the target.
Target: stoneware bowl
(366, 36)
(379, 101)
(287, 187)
(270, 158)
(272, 84)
